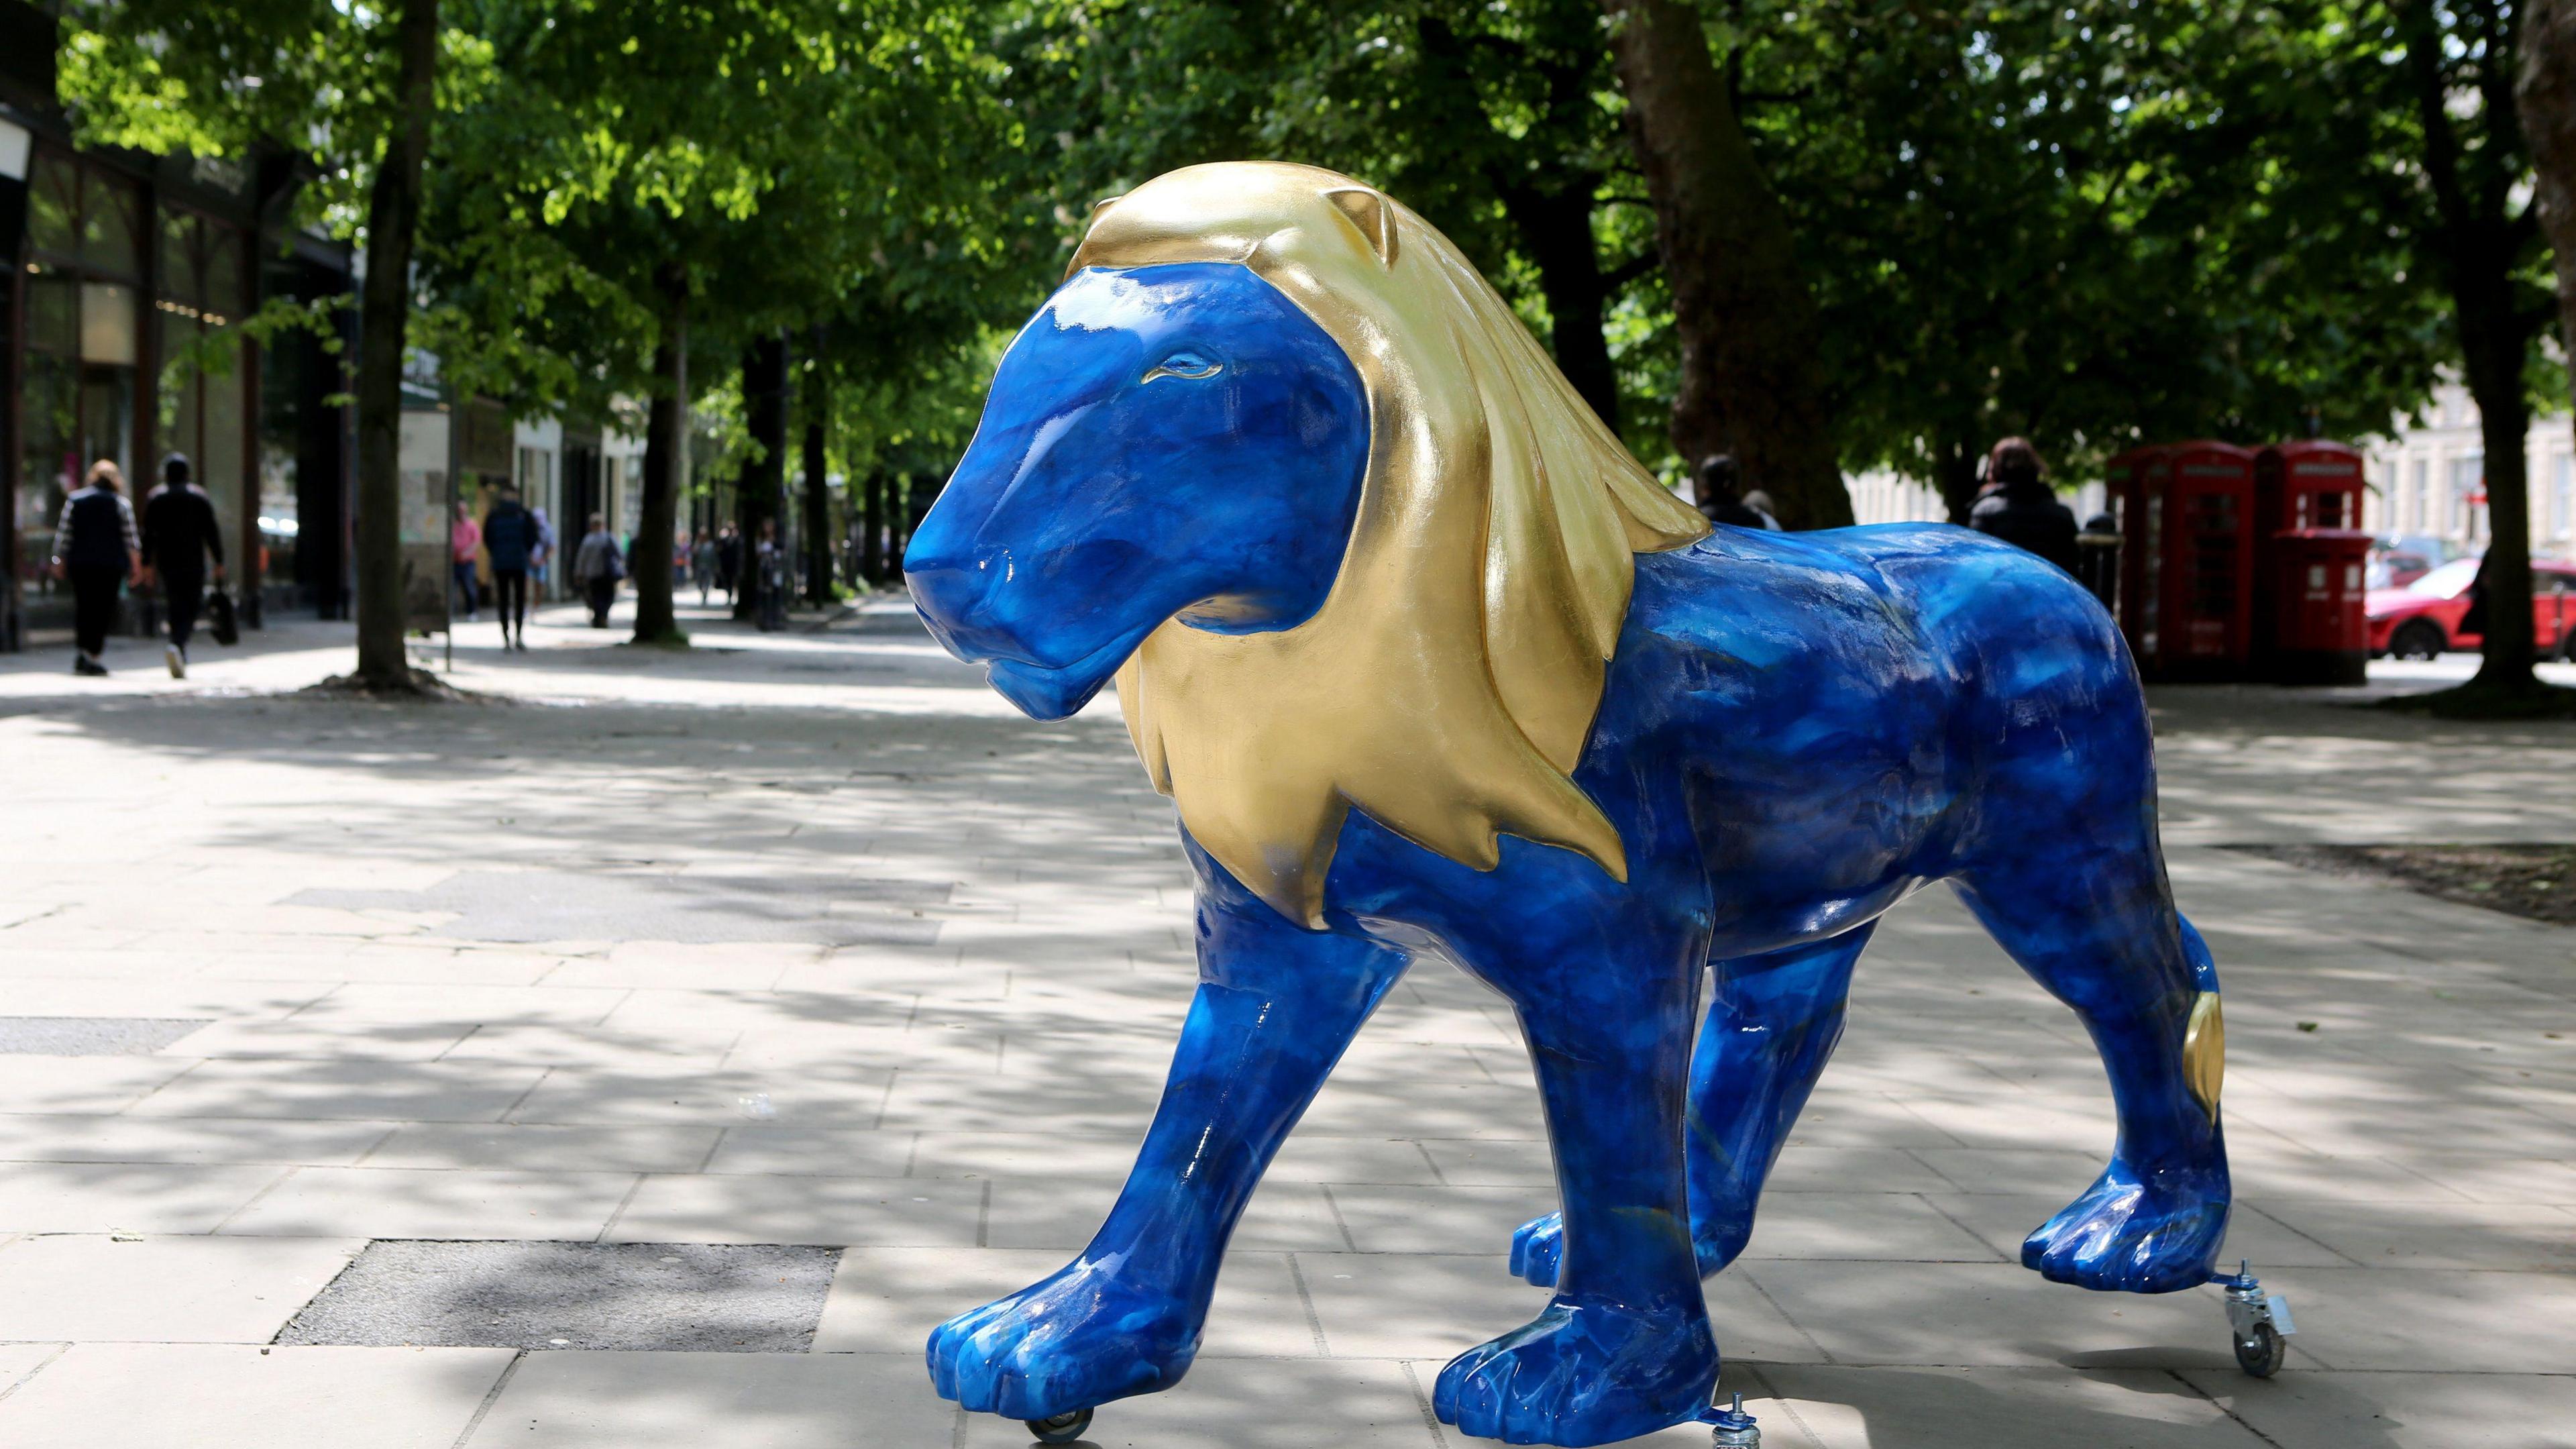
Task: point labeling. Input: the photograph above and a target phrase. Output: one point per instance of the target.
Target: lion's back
(1883, 639)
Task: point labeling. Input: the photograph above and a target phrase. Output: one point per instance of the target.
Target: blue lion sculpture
(1431, 667)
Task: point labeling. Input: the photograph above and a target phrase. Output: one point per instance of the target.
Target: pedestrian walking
(1717, 491)
(729, 562)
(179, 531)
(2021, 508)
(542, 557)
(702, 566)
(1763, 508)
(597, 566)
(770, 582)
(512, 537)
(95, 550)
(464, 540)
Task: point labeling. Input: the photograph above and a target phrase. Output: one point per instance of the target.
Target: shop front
(122, 317)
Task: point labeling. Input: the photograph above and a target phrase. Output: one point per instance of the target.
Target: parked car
(2422, 619)
(2392, 569)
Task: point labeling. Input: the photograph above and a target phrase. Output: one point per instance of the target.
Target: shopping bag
(219, 617)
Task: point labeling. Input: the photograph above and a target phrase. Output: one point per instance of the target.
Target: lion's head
(1426, 640)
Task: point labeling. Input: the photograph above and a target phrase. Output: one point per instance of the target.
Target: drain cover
(93, 1036)
(704, 1297)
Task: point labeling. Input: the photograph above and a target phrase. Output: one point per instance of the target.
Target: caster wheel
(2259, 1353)
(1067, 1427)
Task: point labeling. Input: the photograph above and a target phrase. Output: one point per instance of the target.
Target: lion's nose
(953, 585)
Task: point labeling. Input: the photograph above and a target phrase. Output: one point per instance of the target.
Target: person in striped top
(96, 550)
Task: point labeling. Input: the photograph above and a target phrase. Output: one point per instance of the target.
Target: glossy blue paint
(1798, 730)
(1181, 438)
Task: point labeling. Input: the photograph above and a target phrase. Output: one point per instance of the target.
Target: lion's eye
(1184, 364)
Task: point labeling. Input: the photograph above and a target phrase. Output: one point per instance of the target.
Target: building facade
(128, 279)
(2429, 481)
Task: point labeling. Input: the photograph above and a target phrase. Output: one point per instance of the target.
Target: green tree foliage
(354, 85)
(2094, 226)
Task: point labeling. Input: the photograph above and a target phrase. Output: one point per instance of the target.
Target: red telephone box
(2187, 566)
(2311, 483)
(2307, 510)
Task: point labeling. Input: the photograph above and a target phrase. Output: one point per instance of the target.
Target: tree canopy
(2089, 223)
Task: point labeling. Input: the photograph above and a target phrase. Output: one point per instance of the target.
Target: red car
(2422, 619)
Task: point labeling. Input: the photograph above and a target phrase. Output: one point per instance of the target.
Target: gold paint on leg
(2204, 1052)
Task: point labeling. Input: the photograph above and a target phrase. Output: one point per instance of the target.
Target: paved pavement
(805, 940)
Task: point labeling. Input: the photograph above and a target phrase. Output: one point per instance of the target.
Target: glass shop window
(78, 394)
(202, 368)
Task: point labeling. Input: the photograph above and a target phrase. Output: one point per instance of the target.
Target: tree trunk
(2546, 97)
(1746, 323)
(818, 496)
(1954, 472)
(1555, 229)
(760, 493)
(666, 459)
(1553, 224)
(2496, 348)
(2472, 248)
(872, 527)
(393, 214)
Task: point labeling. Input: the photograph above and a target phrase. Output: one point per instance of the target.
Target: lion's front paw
(1583, 1373)
(1071, 1341)
(2156, 1235)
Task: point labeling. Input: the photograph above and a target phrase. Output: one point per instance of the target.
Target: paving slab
(42, 1138)
(1257, 1404)
(689, 1400)
(223, 1396)
(536, 1147)
(683, 1208)
(1994, 1315)
(138, 1197)
(2327, 1410)
(682, 996)
(95, 1288)
(403, 1202)
(887, 1300)
(1921, 1408)
(356, 1089)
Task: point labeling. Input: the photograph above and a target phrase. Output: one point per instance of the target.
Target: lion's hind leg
(2098, 929)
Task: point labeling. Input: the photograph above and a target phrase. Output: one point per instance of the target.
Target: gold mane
(1448, 682)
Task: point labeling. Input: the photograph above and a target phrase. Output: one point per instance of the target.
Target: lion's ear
(1372, 214)
(1090, 219)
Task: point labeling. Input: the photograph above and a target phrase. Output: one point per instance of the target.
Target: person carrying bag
(597, 566)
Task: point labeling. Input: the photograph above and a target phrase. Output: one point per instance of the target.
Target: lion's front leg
(1276, 1005)
(1606, 1001)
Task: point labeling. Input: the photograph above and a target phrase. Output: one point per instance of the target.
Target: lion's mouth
(1055, 691)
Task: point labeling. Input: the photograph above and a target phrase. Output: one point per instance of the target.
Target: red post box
(2320, 633)
(2187, 572)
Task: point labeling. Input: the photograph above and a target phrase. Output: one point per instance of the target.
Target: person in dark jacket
(1718, 493)
(597, 566)
(179, 531)
(728, 562)
(512, 536)
(2021, 508)
(95, 550)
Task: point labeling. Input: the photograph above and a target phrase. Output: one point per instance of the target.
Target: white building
(2431, 480)
(2428, 481)
(1879, 496)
